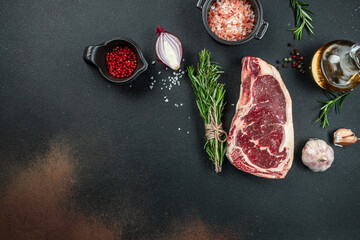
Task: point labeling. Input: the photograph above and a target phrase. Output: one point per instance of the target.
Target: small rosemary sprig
(210, 101)
(302, 13)
(336, 101)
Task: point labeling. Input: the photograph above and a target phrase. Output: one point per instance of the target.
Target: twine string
(213, 130)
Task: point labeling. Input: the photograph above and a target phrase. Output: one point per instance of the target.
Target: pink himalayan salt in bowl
(233, 22)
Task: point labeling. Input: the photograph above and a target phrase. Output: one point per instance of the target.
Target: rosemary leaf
(336, 101)
(302, 14)
(210, 102)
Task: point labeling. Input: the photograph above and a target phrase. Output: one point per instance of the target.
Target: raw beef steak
(261, 138)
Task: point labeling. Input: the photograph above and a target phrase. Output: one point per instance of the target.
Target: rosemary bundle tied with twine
(210, 101)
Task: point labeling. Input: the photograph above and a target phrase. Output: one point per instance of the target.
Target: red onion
(168, 49)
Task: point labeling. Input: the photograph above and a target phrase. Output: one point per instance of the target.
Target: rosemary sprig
(335, 101)
(210, 101)
(302, 13)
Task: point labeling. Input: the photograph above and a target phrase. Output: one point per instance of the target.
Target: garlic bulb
(344, 137)
(317, 155)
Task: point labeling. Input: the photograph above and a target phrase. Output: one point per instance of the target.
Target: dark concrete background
(134, 171)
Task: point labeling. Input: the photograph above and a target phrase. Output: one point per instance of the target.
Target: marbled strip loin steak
(261, 137)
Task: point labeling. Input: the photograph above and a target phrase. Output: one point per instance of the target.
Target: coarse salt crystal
(166, 100)
(225, 14)
(153, 62)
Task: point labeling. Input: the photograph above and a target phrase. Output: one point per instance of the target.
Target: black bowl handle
(89, 54)
(199, 4)
(264, 26)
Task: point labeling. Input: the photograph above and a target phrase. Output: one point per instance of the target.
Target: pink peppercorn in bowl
(225, 12)
(110, 57)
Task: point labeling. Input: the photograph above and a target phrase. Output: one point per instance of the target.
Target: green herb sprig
(336, 101)
(210, 101)
(302, 14)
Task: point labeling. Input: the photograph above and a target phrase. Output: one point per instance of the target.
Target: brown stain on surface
(195, 228)
(36, 203)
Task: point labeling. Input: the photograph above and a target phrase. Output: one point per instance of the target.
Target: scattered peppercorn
(295, 60)
(278, 67)
(121, 62)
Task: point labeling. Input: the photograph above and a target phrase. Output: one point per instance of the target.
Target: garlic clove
(344, 137)
(317, 155)
(344, 132)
